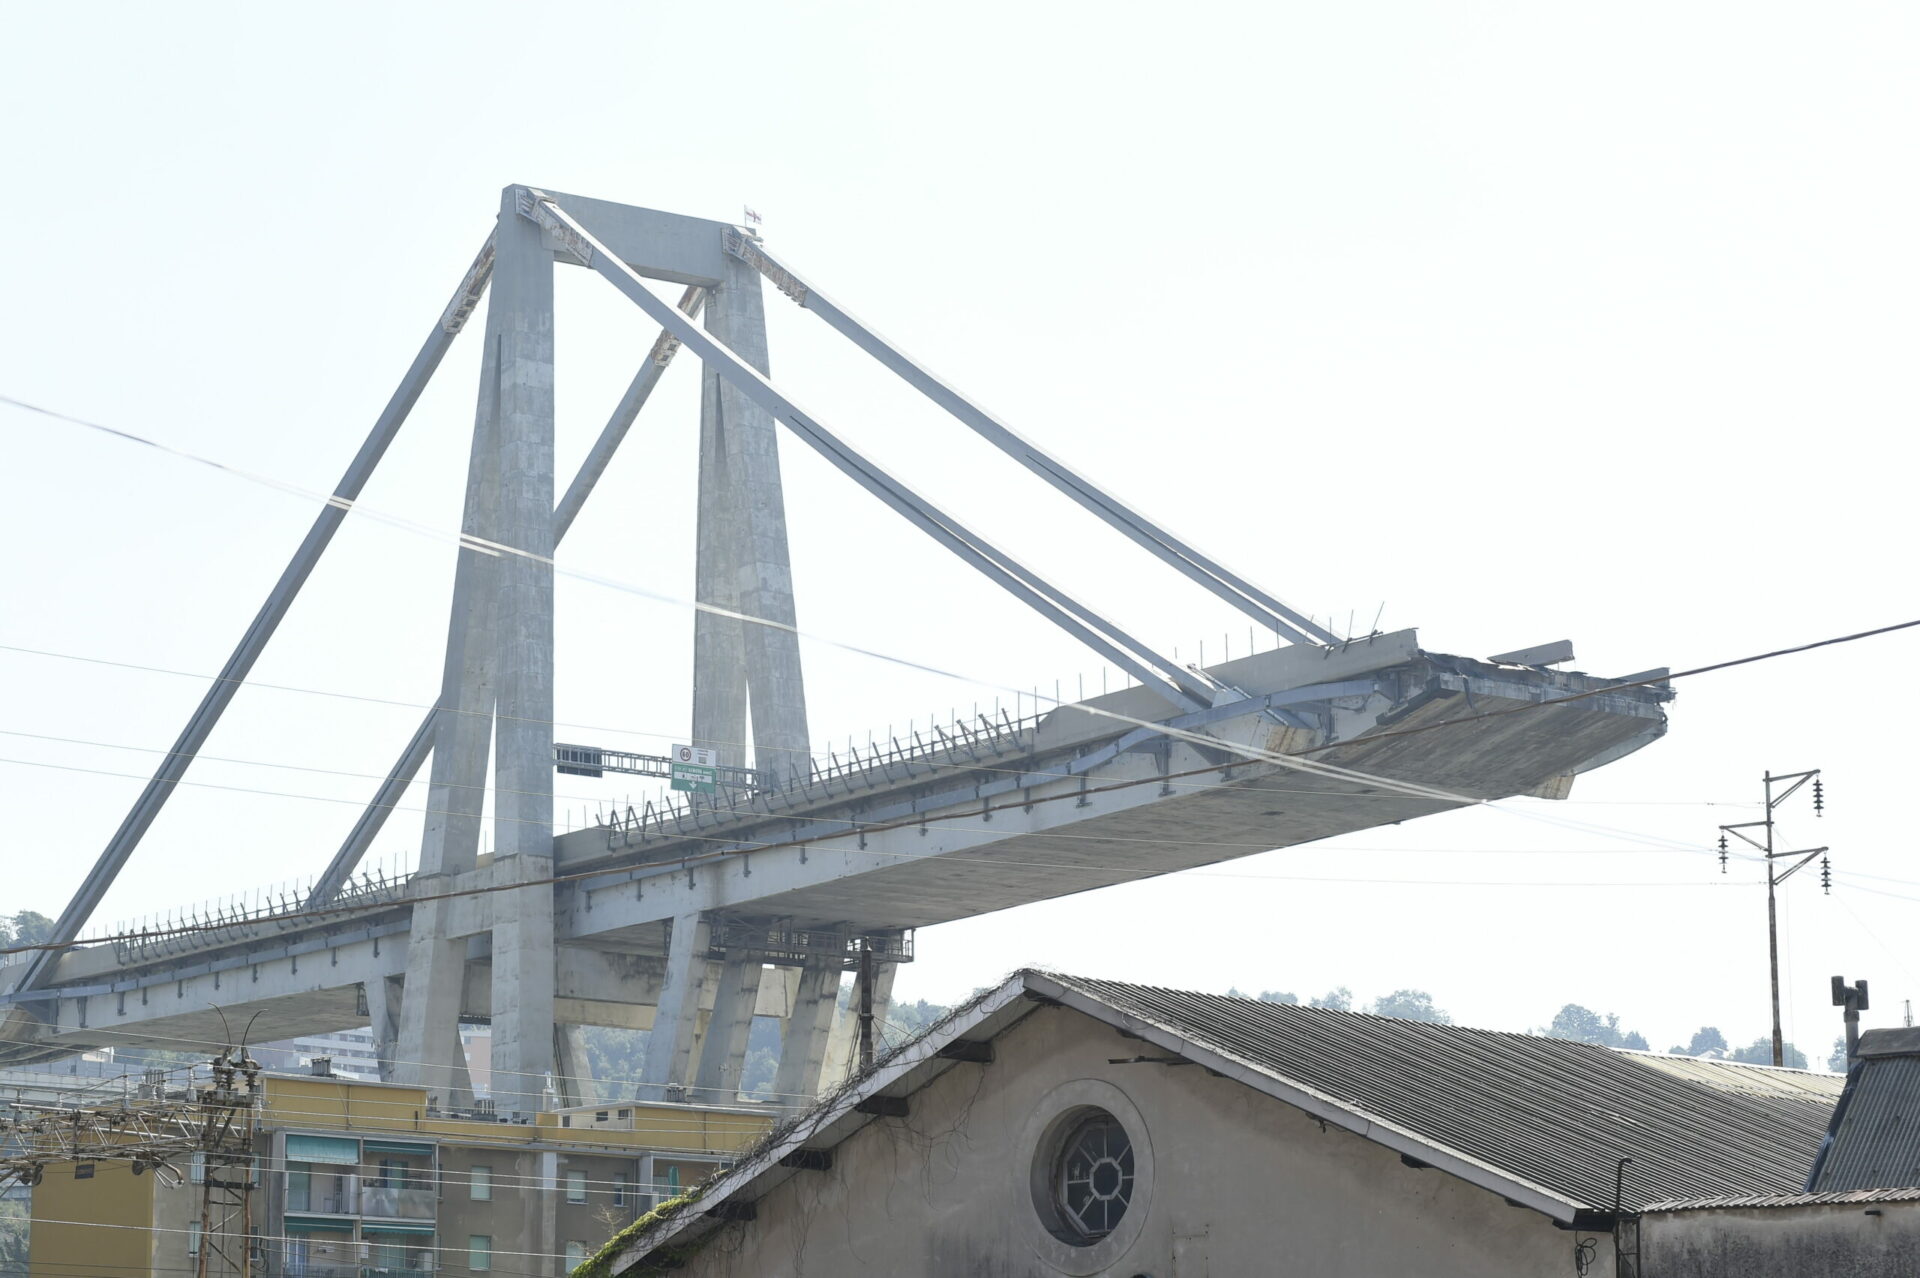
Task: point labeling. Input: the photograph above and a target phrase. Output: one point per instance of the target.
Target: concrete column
(523, 957)
(803, 1039)
(572, 1069)
(669, 1057)
(462, 737)
(717, 1081)
(384, 995)
(843, 1051)
(744, 537)
(719, 657)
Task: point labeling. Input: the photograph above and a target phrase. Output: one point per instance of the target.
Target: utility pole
(1775, 875)
(864, 990)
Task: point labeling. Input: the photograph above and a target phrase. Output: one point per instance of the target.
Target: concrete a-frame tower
(498, 678)
(480, 938)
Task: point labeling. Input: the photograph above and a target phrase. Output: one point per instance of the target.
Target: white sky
(1528, 320)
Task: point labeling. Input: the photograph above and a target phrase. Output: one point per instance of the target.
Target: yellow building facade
(365, 1180)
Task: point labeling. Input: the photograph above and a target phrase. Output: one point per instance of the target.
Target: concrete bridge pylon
(689, 921)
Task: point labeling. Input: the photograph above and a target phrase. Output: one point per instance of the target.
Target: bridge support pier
(717, 1081)
(803, 1039)
(676, 1018)
(573, 1081)
(843, 1047)
(383, 995)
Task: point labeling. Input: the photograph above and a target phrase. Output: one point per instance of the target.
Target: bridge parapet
(960, 746)
(215, 925)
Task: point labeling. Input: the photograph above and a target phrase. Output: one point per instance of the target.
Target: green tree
(1583, 1025)
(1339, 999)
(1760, 1052)
(1264, 996)
(1411, 1005)
(1838, 1062)
(1705, 1039)
(30, 928)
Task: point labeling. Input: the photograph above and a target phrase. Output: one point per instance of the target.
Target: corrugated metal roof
(1846, 1198)
(1758, 1080)
(1874, 1139)
(1559, 1114)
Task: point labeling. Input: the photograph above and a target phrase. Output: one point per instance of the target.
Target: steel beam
(1166, 677)
(1242, 594)
(394, 788)
(175, 763)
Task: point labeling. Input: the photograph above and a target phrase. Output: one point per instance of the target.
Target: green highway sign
(694, 768)
(694, 777)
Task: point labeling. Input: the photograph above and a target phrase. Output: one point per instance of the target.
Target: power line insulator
(1826, 876)
(1723, 852)
(1819, 798)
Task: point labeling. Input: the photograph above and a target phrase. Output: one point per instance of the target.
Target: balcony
(399, 1202)
(322, 1193)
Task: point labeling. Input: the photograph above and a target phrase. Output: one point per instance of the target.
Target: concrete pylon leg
(428, 1052)
(803, 1039)
(670, 1045)
(743, 539)
(719, 657)
(383, 1018)
(523, 956)
(843, 1046)
(572, 1069)
(717, 1081)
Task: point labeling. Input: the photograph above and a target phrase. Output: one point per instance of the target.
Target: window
(480, 1253)
(1090, 1177)
(625, 1113)
(576, 1186)
(620, 1186)
(576, 1255)
(600, 1116)
(480, 1183)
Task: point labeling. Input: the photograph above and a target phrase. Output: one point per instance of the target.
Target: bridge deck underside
(1204, 821)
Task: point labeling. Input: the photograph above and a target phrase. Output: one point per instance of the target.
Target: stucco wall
(118, 1236)
(1231, 1183)
(1784, 1242)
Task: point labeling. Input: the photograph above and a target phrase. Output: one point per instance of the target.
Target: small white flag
(752, 216)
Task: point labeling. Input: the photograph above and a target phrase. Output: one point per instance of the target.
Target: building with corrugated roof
(1859, 1214)
(1063, 1125)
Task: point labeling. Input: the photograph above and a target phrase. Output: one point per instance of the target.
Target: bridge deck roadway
(1077, 802)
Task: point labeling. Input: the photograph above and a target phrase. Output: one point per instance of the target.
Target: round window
(1090, 1178)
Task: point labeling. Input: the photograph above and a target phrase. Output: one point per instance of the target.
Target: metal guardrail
(215, 925)
(960, 745)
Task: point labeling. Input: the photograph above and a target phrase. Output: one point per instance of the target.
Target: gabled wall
(1231, 1183)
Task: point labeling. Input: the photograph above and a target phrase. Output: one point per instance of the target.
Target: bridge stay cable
(414, 757)
(221, 691)
(1165, 676)
(1227, 585)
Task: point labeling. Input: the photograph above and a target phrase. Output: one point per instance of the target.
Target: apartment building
(357, 1179)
